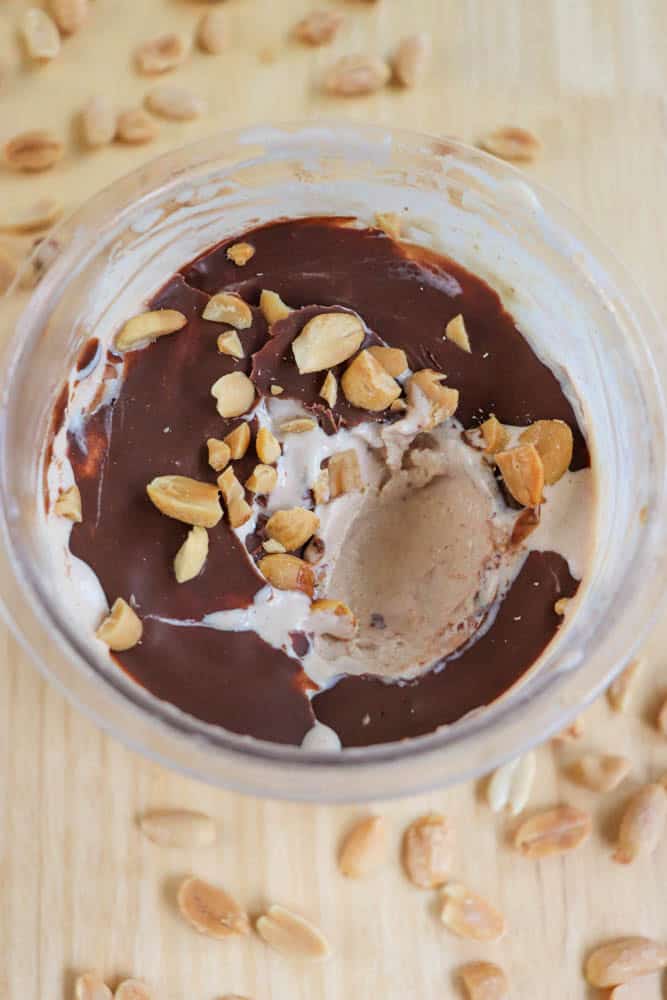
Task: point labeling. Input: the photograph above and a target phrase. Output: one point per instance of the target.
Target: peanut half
(262, 480)
(266, 446)
(33, 151)
(410, 60)
(642, 824)
(327, 340)
(225, 307)
(179, 828)
(133, 989)
(512, 143)
(176, 104)
(286, 572)
(98, 122)
(272, 306)
(299, 425)
(523, 474)
(240, 253)
(212, 35)
(356, 75)
(142, 329)
(211, 910)
(136, 128)
(468, 915)
(234, 394)
(91, 986)
(319, 27)
(393, 359)
(190, 558)
(293, 527)
(238, 441)
(600, 772)
(427, 850)
(343, 474)
(494, 434)
(329, 390)
(368, 385)
(554, 831)
(457, 333)
(292, 935)
(511, 784)
(623, 959)
(161, 54)
(41, 214)
(69, 15)
(187, 500)
(238, 510)
(40, 35)
(554, 442)
(364, 849)
(484, 981)
(122, 628)
(442, 401)
(219, 454)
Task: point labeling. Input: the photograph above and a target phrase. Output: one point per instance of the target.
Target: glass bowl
(567, 293)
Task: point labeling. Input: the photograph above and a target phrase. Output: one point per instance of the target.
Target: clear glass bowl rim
(384, 771)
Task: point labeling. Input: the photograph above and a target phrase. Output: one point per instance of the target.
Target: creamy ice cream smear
(322, 490)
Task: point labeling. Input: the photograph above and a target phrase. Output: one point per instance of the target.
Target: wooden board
(81, 887)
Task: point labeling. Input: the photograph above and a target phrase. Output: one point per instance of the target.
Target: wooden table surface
(80, 885)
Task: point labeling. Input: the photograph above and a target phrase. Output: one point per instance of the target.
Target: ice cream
(406, 488)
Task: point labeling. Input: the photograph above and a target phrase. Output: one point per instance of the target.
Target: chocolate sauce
(164, 413)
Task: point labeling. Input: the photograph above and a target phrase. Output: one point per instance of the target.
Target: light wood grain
(81, 887)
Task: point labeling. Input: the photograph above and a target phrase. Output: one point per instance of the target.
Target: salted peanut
(225, 307)
(212, 34)
(122, 628)
(512, 143)
(511, 784)
(219, 454)
(326, 341)
(356, 75)
(619, 692)
(457, 333)
(68, 504)
(393, 359)
(263, 479)
(91, 986)
(190, 558)
(329, 390)
(332, 618)
(40, 35)
(389, 223)
(661, 719)
(468, 915)
(368, 385)
(8, 269)
(443, 402)
(623, 959)
(410, 60)
(561, 605)
(149, 326)
(178, 828)
(186, 500)
(267, 446)
(285, 572)
(523, 474)
(277, 390)
(292, 935)
(271, 546)
(210, 910)
(554, 831)
(41, 214)
(484, 981)
(133, 989)
(319, 27)
(495, 435)
(273, 308)
(320, 488)
(241, 253)
(293, 527)
(238, 510)
(235, 394)
(299, 425)
(69, 15)
(554, 442)
(33, 151)
(344, 474)
(238, 441)
(161, 54)
(601, 772)
(314, 550)
(642, 824)
(427, 849)
(135, 128)
(229, 343)
(364, 849)
(175, 103)
(98, 122)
